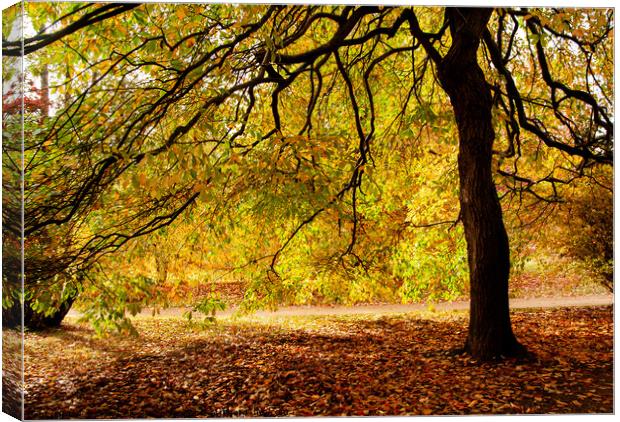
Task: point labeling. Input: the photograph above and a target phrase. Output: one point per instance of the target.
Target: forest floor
(365, 364)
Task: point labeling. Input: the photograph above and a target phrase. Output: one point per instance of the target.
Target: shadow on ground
(388, 366)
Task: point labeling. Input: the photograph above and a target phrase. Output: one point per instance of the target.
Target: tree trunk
(490, 332)
(12, 316)
(45, 91)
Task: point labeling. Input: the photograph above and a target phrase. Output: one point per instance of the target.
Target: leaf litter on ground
(319, 366)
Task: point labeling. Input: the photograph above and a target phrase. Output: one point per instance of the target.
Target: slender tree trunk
(490, 331)
(45, 87)
(45, 91)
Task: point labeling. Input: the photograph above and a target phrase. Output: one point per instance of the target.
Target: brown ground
(336, 365)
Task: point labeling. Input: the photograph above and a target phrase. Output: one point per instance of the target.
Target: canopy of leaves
(307, 150)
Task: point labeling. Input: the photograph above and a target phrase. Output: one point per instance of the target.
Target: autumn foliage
(307, 155)
(320, 366)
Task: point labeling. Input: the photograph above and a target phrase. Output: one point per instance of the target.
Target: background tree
(162, 114)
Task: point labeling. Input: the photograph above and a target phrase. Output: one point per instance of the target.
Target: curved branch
(30, 45)
(524, 121)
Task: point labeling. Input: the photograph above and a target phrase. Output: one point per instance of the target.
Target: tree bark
(45, 91)
(490, 332)
(12, 316)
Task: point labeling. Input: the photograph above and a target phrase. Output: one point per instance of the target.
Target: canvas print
(283, 210)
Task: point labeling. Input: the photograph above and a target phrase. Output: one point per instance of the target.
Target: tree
(487, 241)
(221, 89)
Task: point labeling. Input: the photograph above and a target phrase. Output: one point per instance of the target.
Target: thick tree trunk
(490, 331)
(12, 316)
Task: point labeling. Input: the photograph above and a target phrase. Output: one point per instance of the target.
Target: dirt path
(537, 302)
